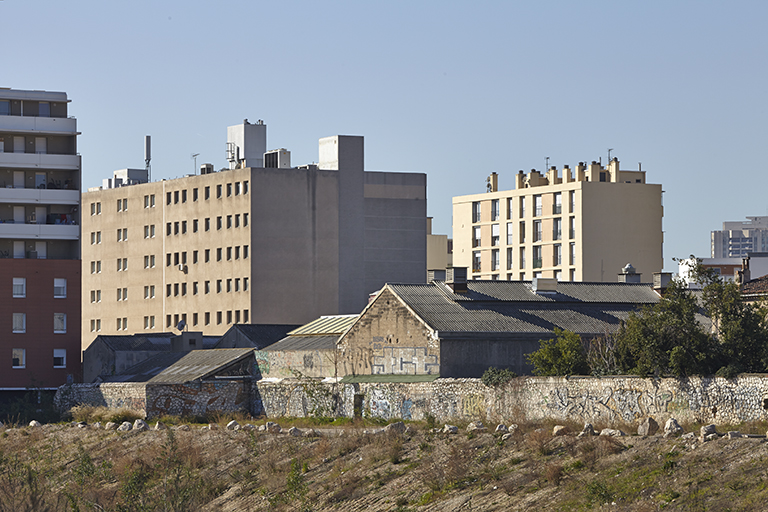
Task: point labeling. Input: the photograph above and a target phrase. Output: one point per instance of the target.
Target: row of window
(176, 289)
(180, 258)
(557, 232)
(19, 358)
(558, 276)
(557, 257)
(121, 324)
(20, 288)
(180, 196)
(557, 206)
(59, 323)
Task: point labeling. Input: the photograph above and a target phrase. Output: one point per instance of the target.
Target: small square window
(19, 322)
(19, 358)
(59, 288)
(218, 195)
(59, 358)
(60, 323)
(19, 287)
(207, 192)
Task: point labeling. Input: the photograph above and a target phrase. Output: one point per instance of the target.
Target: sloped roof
(757, 286)
(304, 343)
(159, 342)
(261, 335)
(181, 367)
(326, 325)
(513, 306)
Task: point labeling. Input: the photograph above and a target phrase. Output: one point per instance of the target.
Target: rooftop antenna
(546, 164)
(609, 154)
(194, 157)
(148, 156)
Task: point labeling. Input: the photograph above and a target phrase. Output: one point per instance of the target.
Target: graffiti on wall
(403, 361)
(620, 403)
(196, 399)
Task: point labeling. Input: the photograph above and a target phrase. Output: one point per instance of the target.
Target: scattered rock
(140, 425)
(310, 432)
(588, 430)
(233, 425)
(476, 427)
(273, 428)
(213, 426)
(248, 426)
(450, 429)
(711, 437)
(506, 436)
(612, 432)
(111, 425)
(672, 428)
(160, 426)
(648, 427)
(295, 432)
(97, 425)
(398, 427)
(184, 428)
(688, 435)
(706, 430)
(125, 426)
(261, 428)
(35, 423)
(559, 430)
(512, 428)
(501, 428)
(734, 434)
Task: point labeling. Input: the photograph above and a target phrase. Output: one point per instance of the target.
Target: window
(122, 294)
(245, 251)
(522, 232)
(218, 254)
(245, 187)
(194, 288)
(557, 229)
(207, 224)
(44, 109)
(557, 256)
(245, 316)
(207, 255)
(573, 274)
(149, 261)
(59, 358)
(149, 292)
(237, 284)
(19, 322)
(537, 231)
(537, 205)
(168, 229)
(229, 189)
(510, 257)
(218, 286)
(559, 275)
(175, 197)
(510, 239)
(149, 231)
(509, 208)
(95, 237)
(59, 323)
(207, 193)
(572, 228)
(476, 211)
(495, 234)
(183, 289)
(557, 208)
(237, 252)
(537, 256)
(229, 285)
(237, 220)
(522, 207)
(522, 261)
(59, 288)
(122, 235)
(122, 324)
(194, 194)
(176, 290)
(237, 317)
(96, 325)
(229, 317)
(572, 200)
(149, 322)
(168, 197)
(175, 259)
(96, 267)
(207, 318)
(476, 261)
(229, 253)
(168, 290)
(245, 220)
(95, 296)
(183, 227)
(573, 255)
(207, 287)
(19, 287)
(495, 209)
(176, 228)
(218, 195)
(194, 257)
(495, 259)
(184, 196)
(245, 285)
(119, 205)
(194, 318)
(218, 317)
(229, 222)
(19, 358)
(218, 222)
(237, 188)
(194, 226)
(149, 201)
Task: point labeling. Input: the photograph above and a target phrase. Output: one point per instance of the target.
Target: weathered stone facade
(293, 363)
(408, 348)
(607, 399)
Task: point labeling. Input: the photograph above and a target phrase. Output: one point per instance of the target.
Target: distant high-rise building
(737, 238)
(39, 241)
(583, 225)
(259, 242)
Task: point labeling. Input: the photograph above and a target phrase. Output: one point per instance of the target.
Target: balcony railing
(537, 263)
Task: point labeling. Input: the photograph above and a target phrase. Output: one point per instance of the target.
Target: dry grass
(92, 414)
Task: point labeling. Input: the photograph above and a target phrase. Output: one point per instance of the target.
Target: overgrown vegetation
(493, 376)
(716, 332)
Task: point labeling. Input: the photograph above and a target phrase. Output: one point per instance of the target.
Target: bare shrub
(537, 441)
(553, 473)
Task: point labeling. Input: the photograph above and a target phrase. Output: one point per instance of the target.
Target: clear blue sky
(453, 89)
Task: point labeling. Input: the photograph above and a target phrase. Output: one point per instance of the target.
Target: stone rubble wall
(606, 400)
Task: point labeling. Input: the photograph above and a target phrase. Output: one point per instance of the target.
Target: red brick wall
(39, 339)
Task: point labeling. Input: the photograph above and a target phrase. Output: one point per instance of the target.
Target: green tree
(666, 338)
(562, 355)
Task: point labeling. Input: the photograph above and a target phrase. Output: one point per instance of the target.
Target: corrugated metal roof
(304, 343)
(181, 367)
(335, 324)
(157, 342)
(260, 335)
(512, 306)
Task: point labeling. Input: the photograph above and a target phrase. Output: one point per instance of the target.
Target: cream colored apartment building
(581, 224)
(250, 244)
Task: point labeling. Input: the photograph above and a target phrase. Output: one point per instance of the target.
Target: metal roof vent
(544, 285)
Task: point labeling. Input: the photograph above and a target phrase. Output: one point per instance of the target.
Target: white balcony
(40, 231)
(39, 161)
(39, 196)
(41, 125)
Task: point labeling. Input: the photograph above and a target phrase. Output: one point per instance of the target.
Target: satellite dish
(181, 325)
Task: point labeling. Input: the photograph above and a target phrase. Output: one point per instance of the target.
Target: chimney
(493, 182)
(743, 275)
(544, 285)
(436, 275)
(457, 279)
(628, 274)
(186, 341)
(661, 281)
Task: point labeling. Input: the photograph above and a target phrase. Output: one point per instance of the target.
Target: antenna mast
(194, 157)
(148, 156)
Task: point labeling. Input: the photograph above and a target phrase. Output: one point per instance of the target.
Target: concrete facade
(250, 244)
(576, 225)
(39, 241)
(739, 238)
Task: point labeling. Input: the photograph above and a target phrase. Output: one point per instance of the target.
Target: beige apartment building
(249, 244)
(582, 224)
